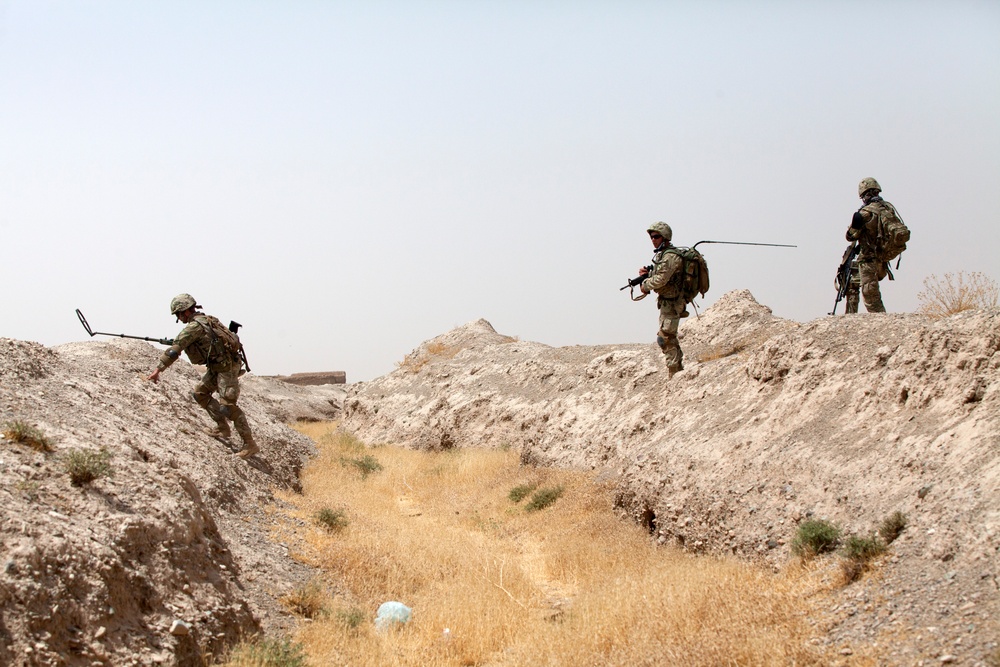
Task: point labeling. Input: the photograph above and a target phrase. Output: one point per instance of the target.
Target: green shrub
(333, 520)
(366, 464)
(84, 465)
(543, 497)
(863, 549)
(26, 434)
(267, 653)
(892, 527)
(520, 492)
(815, 537)
(352, 618)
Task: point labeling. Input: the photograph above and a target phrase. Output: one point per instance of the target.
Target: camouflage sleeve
(663, 270)
(855, 233)
(188, 335)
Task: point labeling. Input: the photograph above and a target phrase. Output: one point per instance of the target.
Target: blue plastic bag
(392, 613)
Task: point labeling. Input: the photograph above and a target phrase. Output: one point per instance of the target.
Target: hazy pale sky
(349, 179)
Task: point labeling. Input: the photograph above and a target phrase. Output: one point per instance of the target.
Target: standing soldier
(661, 279)
(206, 341)
(879, 230)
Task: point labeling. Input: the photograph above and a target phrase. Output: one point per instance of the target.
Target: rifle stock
(844, 273)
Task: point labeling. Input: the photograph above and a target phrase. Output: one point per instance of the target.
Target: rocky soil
(166, 561)
(847, 418)
(172, 558)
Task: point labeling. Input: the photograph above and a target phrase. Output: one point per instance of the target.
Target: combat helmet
(663, 229)
(867, 184)
(181, 302)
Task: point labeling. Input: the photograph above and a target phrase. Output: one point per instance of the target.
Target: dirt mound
(165, 561)
(848, 418)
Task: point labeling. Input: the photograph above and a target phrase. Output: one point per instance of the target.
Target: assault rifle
(634, 282)
(86, 326)
(235, 328)
(844, 274)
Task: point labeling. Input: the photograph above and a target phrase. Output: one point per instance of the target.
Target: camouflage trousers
(871, 273)
(671, 312)
(227, 383)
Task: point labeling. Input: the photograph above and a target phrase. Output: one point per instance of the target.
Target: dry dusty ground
(98, 575)
(847, 418)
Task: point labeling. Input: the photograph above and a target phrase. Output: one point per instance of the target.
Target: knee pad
(201, 399)
(230, 412)
(661, 341)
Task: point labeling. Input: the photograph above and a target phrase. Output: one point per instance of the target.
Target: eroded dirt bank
(846, 418)
(98, 575)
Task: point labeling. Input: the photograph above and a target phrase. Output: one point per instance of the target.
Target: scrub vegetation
(492, 583)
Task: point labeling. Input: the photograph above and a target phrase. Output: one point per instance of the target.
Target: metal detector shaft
(86, 326)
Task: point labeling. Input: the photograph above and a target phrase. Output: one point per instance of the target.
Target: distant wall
(329, 377)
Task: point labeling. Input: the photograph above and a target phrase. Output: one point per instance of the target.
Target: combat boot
(250, 448)
(220, 432)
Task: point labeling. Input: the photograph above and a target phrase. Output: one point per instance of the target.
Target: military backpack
(224, 342)
(893, 234)
(694, 273)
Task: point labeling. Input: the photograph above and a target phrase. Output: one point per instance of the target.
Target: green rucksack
(224, 341)
(694, 275)
(893, 234)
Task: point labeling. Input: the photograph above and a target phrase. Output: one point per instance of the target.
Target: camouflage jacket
(666, 267)
(201, 346)
(867, 234)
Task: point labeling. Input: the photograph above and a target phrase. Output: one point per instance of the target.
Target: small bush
(543, 497)
(418, 359)
(957, 292)
(366, 464)
(26, 434)
(305, 601)
(892, 527)
(333, 520)
(84, 466)
(267, 653)
(520, 492)
(863, 549)
(852, 569)
(815, 537)
(27, 488)
(352, 618)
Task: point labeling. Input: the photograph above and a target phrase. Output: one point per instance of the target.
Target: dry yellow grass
(570, 584)
(957, 292)
(414, 362)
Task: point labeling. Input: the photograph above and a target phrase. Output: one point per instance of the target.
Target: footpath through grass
(454, 535)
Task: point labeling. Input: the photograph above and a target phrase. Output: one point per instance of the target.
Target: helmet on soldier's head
(867, 184)
(181, 302)
(663, 229)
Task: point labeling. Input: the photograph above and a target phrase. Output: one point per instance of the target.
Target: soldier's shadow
(260, 464)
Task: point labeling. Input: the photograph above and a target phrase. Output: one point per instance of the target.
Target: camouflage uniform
(203, 347)
(662, 280)
(865, 230)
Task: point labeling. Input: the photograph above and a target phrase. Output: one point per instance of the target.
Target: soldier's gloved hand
(857, 222)
(643, 288)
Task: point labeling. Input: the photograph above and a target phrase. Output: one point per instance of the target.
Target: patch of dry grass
(957, 292)
(571, 585)
(723, 350)
(22, 432)
(414, 362)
